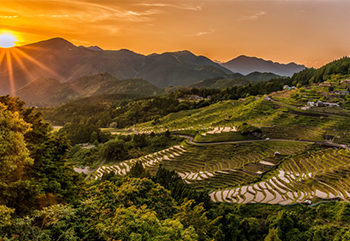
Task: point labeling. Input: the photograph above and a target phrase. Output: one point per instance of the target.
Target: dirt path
(191, 141)
(101, 163)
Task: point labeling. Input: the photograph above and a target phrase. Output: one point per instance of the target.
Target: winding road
(191, 141)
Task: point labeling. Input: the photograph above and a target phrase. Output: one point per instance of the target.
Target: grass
(223, 136)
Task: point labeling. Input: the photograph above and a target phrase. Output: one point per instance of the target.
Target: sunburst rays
(11, 56)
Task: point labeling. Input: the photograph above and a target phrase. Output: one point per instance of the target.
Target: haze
(306, 32)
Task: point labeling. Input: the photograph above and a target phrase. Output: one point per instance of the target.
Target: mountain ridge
(59, 59)
(245, 64)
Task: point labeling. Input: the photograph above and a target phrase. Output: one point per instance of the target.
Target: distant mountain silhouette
(245, 65)
(93, 48)
(61, 60)
(51, 92)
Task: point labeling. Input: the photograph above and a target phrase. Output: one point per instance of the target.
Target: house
(289, 87)
(320, 104)
(330, 104)
(277, 153)
(311, 103)
(195, 97)
(340, 92)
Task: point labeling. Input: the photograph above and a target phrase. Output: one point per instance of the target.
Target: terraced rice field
(225, 114)
(212, 166)
(150, 162)
(323, 174)
(294, 132)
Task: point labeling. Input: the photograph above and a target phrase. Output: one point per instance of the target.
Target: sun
(7, 41)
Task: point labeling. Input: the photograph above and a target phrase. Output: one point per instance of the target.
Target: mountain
(61, 60)
(50, 92)
(245, 65)
(93, 48)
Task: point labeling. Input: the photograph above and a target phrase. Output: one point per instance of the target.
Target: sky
(309, 32)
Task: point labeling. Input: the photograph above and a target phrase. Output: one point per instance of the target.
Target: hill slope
(49, 92)
(235, 79)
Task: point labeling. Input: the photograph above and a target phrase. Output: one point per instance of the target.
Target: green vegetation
(223, 136)
(310, 76)
(149, 186)
(121, 148)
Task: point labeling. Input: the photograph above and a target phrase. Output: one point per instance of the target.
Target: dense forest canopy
(309, 76)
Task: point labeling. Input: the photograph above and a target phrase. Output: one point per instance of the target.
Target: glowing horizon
(7, 40)
(309, 32)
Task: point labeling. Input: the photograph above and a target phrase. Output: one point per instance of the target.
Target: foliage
(306, 76)
(36, 172)
(82, 133)
(179, 190)
(122, 148)
(195, 216)
(134, 223)
(139, 171)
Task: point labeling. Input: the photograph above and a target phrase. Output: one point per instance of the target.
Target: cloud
(181, 6)
(253, 16)
(14, 16)
(203, 33)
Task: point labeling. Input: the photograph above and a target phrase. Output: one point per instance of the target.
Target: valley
(234, 150)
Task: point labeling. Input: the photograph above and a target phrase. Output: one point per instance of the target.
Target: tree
(135, 223)
(17, 189)
(195, 216)
(139, 171)
(272, 236)
(33, 170)
(14, 155)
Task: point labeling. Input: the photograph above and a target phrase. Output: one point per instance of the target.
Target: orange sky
(310, 32)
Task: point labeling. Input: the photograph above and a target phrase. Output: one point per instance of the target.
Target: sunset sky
(310, 32)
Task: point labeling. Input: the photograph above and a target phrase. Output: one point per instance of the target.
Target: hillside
(59, 59)
(51, 92)
(220, 83)
(231, 80)
(331, 71)
(245, 65)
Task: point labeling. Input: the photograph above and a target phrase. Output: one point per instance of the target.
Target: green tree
(134, 223)
(272, 236)
(139, 171)
(195, 216)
